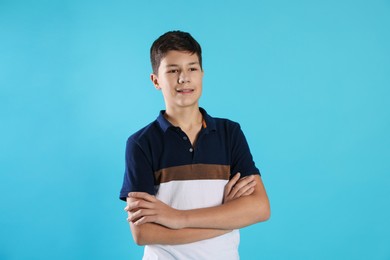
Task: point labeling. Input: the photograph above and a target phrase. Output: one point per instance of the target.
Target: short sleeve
(242, 160)
(139, 175)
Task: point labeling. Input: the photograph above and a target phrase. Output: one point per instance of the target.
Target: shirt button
(191, 150)
(185, 138)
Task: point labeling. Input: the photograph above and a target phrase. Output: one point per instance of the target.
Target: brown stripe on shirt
(193, 172)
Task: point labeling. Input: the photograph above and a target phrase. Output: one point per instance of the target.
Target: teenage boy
(190, 182)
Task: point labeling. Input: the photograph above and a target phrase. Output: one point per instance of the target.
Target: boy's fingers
(141, 195)
(232, 182)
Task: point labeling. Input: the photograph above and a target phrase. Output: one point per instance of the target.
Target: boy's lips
(185, 90)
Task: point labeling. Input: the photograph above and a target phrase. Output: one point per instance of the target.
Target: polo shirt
(161, 161)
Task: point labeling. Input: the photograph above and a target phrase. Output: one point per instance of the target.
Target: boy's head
(173, 41)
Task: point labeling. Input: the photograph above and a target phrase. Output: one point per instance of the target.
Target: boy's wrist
(183, 219)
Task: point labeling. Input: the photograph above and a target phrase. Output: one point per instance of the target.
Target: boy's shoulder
(144, 133)
(225, 121)
(222, 123)
(216, 121)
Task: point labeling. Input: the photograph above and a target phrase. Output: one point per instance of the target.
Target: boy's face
(180, 79)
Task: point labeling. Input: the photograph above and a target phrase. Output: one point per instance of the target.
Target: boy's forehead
(179, 57)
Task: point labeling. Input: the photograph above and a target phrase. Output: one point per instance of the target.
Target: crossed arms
(154, 222)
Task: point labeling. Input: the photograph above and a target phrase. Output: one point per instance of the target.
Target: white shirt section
(194, 194)
(224, 247)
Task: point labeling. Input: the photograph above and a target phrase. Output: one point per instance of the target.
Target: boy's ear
(154, 79)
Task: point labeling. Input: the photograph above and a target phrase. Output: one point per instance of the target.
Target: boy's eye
(193, 69)
(173, 71)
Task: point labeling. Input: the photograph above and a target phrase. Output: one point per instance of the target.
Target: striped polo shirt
(161, 161)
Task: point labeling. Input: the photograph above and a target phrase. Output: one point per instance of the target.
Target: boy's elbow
(138, 236)
(263, 213)
(138, 240)
(263, 209)
(266, 214)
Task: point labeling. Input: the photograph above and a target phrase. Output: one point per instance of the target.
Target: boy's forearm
(236, 214)
(151, 233)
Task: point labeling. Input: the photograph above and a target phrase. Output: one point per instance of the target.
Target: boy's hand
(143, 208)
(237, 187)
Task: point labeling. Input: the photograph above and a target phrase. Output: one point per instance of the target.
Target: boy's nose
(183, 77)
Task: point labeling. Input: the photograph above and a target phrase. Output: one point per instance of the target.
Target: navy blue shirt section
(161, 145)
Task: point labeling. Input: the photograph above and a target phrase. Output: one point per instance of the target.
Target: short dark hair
(173, 41)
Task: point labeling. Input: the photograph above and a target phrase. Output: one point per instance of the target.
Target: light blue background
(308, 81)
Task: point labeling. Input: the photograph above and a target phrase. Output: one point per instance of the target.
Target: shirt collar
(208, 121)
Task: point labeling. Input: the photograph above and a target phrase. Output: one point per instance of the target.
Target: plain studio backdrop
(308, 81)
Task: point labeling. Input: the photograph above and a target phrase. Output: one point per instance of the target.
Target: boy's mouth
(185, 90)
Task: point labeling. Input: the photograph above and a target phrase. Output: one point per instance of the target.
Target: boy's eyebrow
(193, 63)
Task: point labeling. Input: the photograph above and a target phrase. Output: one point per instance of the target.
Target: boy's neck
(186, 118)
